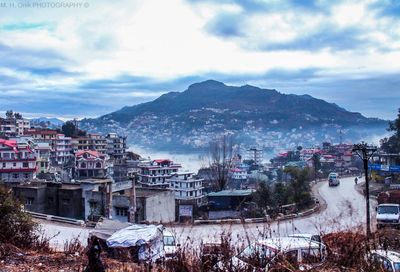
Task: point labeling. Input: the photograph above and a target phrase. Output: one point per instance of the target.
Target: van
(333, 179)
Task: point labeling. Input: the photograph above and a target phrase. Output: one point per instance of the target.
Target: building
(17, 161)
(152, 206)
(228, 203)
(94, 142)
(42, 135)
(187, 187)
(62, 149)
(11, 126)
(255, 155)
(156, 173)
(116, 146)
(43, 153)
(90, 164)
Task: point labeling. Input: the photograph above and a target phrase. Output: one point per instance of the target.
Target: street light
(365, 152)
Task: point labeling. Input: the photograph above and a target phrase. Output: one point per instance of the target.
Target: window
(4, 165)
(15, 176)
(311, 255)
(14, 164)
(83, 165)
(121, 211)
(29, 201)
(66, 201)
(98, 165)
(26, 175)
(25, 165)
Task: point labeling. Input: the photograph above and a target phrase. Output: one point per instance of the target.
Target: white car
(301, 253)
(169, 244)
(389, 261)
(388, 215)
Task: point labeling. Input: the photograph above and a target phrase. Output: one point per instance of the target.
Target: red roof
(9, 143)
(162, 160)
(91, 152)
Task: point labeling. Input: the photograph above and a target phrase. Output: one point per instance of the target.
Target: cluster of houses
(87, 177)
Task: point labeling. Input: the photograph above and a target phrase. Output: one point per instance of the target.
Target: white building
(62, 150)
(187, 187)
(43, 153)
(157, 172)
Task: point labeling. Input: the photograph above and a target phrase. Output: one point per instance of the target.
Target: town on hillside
(65, 175)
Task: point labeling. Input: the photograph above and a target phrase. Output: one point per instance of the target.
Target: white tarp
(129, 236)
(149, 239)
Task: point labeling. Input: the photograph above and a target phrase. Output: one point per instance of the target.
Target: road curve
(345, 210)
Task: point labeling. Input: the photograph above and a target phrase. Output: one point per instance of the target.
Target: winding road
(345, 210)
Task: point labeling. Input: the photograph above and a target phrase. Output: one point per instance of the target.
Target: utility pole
(365, 152)
(132, 200)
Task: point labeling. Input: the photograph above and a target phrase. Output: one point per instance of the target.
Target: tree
(220, 161)
(69, 129)
(392, 144)
(316, 157)
(17, 115)
(9, 114)
(263, 196)
(299, 185)
(16, 226)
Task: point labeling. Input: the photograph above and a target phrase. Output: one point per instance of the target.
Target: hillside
(188, 119)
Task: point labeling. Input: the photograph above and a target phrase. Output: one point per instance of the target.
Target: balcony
(18, 170)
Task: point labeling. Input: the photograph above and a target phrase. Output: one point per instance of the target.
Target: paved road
(345, 210)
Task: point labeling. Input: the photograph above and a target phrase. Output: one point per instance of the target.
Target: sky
(86, 58)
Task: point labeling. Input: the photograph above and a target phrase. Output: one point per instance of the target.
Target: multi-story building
(42, 135)
(94, 142)
(12, 126)
(62, 149)
(17, 161)
(91, 164)
(187, 187)
(157, 172)
(43, 153)
(116, 145)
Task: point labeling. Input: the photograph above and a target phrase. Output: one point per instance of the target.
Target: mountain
(47, 122)
(189, 119)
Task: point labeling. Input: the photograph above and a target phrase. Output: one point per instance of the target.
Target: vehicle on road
(388, 214)
(333, 179)
(170, 246)
(387, 260)
(267, 254)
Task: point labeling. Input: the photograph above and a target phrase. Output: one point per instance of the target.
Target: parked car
(170, 245)
(388, 215)
(333, 179)
(266, 254)
(387, 261)
(313, 237)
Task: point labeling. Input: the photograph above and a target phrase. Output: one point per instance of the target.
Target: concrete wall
(160, 207)
(36, 195)
(70, 203)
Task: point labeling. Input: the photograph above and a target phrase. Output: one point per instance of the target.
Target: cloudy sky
(76, 58)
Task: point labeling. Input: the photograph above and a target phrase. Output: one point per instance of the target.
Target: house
(94, 142)
(116, 146)
(42, 135)
(43, 153)
(227, 203)
(187, 187)
(12, 126)
(62, 149)
(156, 173)
(91, 164)
(17, 161)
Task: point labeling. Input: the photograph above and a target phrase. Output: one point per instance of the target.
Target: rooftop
(246, 192)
